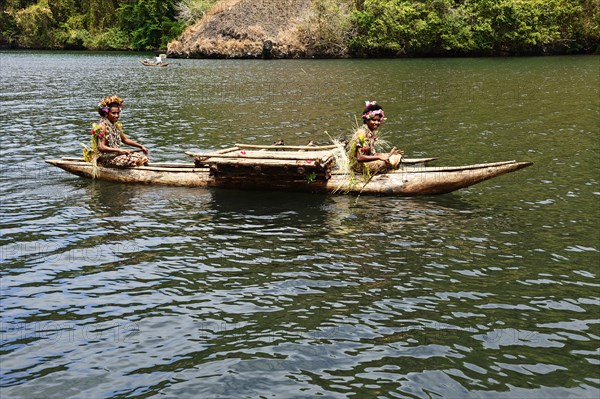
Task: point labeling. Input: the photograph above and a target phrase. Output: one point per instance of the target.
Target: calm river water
(129, 291)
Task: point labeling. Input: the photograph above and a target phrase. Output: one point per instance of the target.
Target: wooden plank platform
(275, 162)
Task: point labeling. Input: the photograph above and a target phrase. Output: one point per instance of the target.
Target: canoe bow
(423, 180)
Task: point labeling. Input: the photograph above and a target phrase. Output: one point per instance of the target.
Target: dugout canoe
(308, 171)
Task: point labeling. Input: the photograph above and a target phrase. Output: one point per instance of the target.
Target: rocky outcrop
(245, 29)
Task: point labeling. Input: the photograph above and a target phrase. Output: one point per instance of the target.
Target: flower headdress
(370, 113)
(107, 101)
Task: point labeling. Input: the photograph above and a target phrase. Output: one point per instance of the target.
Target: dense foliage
(91, 24)
(480, 27)
(332, 27)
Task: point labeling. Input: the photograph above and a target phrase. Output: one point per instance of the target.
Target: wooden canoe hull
(423, 180)
(154, 64)
(409, 180)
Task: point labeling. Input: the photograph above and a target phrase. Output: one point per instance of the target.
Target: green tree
(9, 29)
(101, 14)
(587, 34)
(35, 25)
(450, 27)
(526, 26)
(152, 23)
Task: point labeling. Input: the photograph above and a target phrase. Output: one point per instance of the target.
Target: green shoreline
(374, 56)
(314, 29)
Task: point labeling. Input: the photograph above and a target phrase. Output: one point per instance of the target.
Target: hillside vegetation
(480, 27)
(89, 24)
(306, 28)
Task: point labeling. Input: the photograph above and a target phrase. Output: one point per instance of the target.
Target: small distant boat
(294, 168)
(153, 64)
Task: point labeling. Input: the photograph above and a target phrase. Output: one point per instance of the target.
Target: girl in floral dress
(110, 137)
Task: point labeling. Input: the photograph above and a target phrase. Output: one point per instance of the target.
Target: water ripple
(112, 290)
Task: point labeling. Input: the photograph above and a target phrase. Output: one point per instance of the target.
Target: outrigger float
(294, 168)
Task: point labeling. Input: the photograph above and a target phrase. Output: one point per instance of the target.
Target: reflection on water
(110, 199)
(112, 290)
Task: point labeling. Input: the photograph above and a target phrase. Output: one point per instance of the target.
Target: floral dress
(113, 132)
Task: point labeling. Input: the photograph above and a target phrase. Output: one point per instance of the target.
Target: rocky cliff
(245, 29)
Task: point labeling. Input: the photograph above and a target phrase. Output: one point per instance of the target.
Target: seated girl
(110, 136)
(363, 155)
